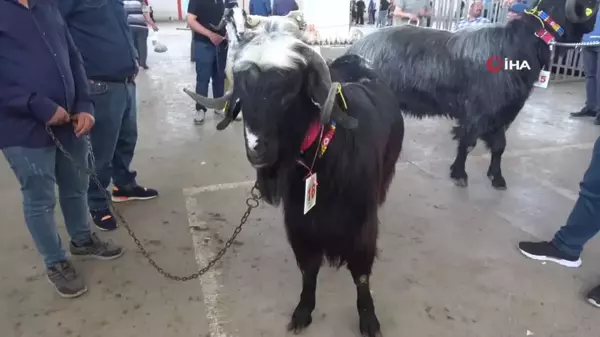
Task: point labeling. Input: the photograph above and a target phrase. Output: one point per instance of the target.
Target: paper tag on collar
(310, 192)
(543, 79)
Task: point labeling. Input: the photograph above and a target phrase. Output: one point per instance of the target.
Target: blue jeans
(210, 64)
(591, 66)
(584, 221)
(38, 171)
(382, 18)
(114, 137)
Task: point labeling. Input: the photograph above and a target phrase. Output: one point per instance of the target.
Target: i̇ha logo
(495, 63)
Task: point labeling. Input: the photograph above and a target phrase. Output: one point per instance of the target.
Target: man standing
(360, 12)
(412, 12)
(43, 83)
(138, 17)
(100, 31)
(210, 49)
(582, 225)
(591, 66)
(382, 16)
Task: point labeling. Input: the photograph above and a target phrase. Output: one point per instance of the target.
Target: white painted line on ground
(209, 282)
(191, 191)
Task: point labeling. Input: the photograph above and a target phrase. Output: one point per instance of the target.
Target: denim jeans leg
(140, 40)
(72, 190)
(584, 221)
(590, 66)
(34, 168)
(218, 72)
(205, 55)
(126, 142)
(110, 100)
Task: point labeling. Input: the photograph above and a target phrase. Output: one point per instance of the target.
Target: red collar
(545, 35)
(311, 136)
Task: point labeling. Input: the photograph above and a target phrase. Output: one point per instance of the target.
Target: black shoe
(122, 194)
(585, 112)
(546, 251)
(597, 121)
(96, 248)
(145, 66)
(104, 220)
(594, 297)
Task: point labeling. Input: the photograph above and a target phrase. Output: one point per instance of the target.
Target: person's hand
(216, 39)
(413, 17)
(155, 28)
(83, 122)
(60, 117)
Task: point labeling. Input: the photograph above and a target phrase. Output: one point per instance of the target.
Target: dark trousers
(372, 17)
(140, 41)
(360, 18)
(114, 137)
(210, 66)
(591, 66)
(584, 221)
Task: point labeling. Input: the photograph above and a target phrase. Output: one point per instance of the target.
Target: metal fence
(447, 13)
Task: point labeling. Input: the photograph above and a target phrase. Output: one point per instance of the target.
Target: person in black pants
(591, 66)
(360, 12)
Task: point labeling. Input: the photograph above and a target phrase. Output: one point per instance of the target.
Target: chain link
(251, 202)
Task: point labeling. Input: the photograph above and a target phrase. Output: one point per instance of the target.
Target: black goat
(288, 93)
(439, 73)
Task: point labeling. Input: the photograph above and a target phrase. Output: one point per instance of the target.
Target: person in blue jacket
(260, 7)
(43, 84)
(591, 67)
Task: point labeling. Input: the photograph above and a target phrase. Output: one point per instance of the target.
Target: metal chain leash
(252, 202)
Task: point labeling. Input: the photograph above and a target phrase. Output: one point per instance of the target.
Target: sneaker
(199, 117)
(137, 192)
(585, 112)
(65, 280)
(546, 251)
(594, 297)
(104, 220)
(96, 248)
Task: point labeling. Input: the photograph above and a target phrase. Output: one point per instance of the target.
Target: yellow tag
(588, 11)
(339, 92)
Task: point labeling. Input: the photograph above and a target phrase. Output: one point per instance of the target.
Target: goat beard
(268, 184)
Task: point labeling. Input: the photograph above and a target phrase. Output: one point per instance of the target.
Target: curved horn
(231, 114)
(571, 10)
(213, 103)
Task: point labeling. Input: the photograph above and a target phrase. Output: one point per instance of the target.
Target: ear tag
(310, 192)
(588, 11)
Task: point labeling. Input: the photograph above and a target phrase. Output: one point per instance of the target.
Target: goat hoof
(300, 320)
(498, 182)
(369, 326)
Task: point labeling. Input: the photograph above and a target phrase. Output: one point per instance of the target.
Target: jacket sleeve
(83, 101)
(14, 97)
(64, 7)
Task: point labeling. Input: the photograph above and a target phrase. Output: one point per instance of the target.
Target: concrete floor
(448, 264)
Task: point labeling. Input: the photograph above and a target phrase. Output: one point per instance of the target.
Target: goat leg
(466, 143)
(360, 265)
(496, 142)
(309, 262)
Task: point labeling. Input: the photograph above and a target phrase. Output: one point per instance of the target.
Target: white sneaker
(199, 117)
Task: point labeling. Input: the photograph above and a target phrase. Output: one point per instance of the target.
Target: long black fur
(439, 73)
(353, 175)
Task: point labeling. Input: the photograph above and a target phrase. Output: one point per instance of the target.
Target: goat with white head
(294, 104)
